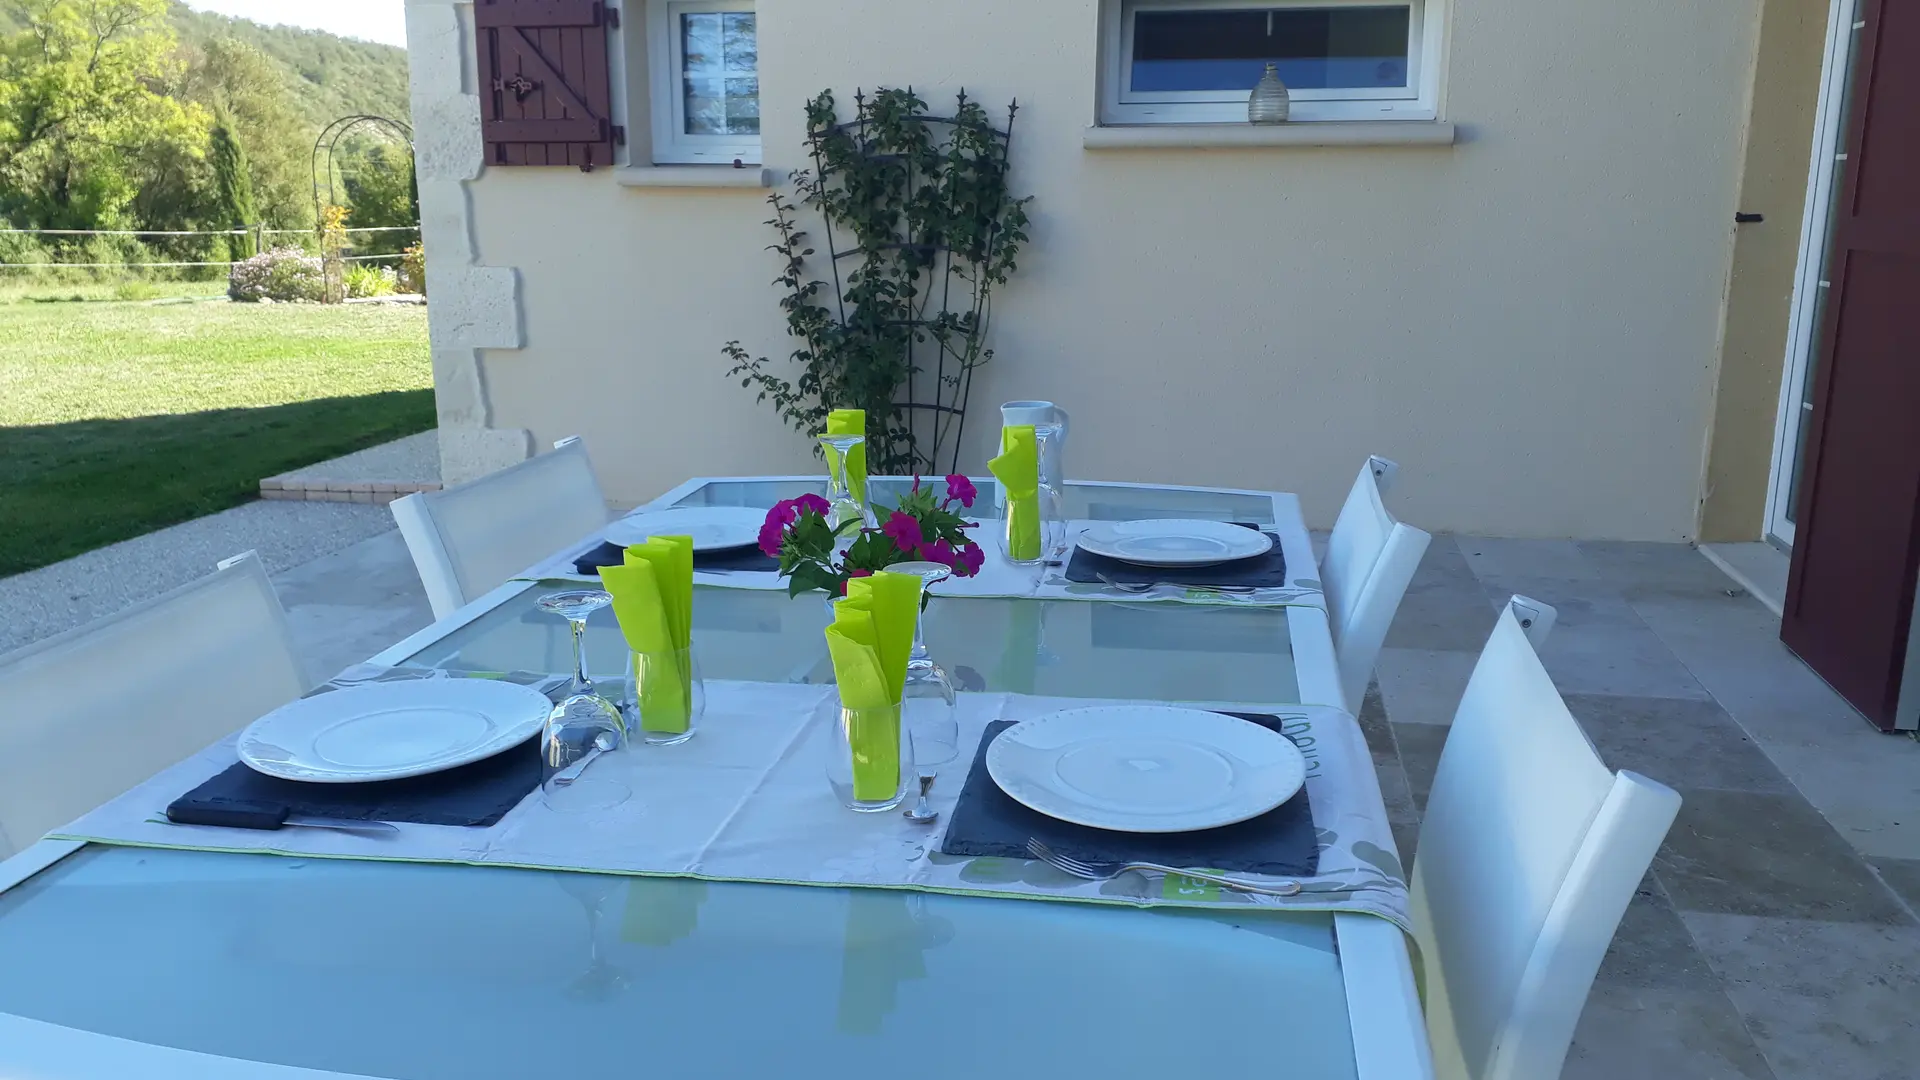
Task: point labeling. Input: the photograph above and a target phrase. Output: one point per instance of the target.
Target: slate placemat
(745, 558)
(1267, 571)
(479, 793)
(987, 821)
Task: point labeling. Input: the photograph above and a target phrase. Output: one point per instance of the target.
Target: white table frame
(1383, 1004)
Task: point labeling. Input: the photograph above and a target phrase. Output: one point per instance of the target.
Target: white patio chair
(1370, 561)
(1529, 854)
(469, 539)
(87, 714)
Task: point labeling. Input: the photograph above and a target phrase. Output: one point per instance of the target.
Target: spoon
(922, 814)
(602, 743)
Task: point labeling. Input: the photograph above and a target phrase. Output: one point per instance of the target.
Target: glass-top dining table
(207, 964)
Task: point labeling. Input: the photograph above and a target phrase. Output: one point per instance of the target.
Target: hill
(326, 76)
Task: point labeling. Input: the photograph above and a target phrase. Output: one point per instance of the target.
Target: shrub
(135, 290)
(413, 270)
(365, 280)
(282, 274)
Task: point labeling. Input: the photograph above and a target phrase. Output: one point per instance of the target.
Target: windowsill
(1296, 133)
(694, 176)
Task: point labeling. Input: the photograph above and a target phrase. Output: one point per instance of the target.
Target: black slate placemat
(987, 821)
(1267, 571)
(746, 558)
(476, 794)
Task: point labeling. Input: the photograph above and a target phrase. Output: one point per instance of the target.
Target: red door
(1850, 594)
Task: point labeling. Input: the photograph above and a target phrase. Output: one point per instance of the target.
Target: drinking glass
(1052, 492)
(578, 732)
(847, 504)
(928, 700)
(669, 696)
(865, 781)
(575, 605)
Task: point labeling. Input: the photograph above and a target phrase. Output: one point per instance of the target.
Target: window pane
(1228, 49)
(720, 61)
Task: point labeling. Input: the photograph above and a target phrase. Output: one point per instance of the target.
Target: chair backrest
(90, 713)
(1529, 853)
(1369, 563)
(469, 539)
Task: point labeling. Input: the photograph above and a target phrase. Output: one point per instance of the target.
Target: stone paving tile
(345, 607)
(1632, 1032)
(1599, 645)
(1823, 1000)
(1420, 746)
(1443, 567)
(1495, 557)
(1373, 725)
(1683, 744)
(1652, 948)
(1742, 853)
(1655, 570)
(1423, 686)
(1903, 877)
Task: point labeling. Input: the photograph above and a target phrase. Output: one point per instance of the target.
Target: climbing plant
(919, 228)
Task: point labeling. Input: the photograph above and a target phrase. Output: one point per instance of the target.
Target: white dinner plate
(1175, 542)
(1146, 768)
(713, 528)
(387, 731)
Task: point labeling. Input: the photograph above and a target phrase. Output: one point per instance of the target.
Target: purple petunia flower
(967, 560)
(961, 488)
(812, 502)
(939, 551)
(903, 530)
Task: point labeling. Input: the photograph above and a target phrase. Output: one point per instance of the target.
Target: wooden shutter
(545, 98)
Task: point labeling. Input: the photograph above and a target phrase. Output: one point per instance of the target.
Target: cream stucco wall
(1527, 321)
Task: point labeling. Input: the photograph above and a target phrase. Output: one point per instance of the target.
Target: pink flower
(966, 561)
(773, 530)
(903, 530)
(961, 488)
(939, 551)
(812, 502)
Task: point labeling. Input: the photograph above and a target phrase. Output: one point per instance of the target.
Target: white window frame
(666, 64)
(1419, 101)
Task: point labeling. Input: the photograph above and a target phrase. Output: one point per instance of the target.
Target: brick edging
(379, 492)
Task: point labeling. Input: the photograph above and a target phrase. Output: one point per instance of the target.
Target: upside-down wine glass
(584, 725)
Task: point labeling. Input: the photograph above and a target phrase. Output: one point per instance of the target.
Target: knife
(233, 814)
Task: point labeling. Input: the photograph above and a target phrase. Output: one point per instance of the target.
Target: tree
(380, 189)
(83, 127)
(233, 189)
(239, 83)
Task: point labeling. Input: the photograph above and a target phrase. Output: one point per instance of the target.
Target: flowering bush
(279, 274)
(413, 270)
(921, 527)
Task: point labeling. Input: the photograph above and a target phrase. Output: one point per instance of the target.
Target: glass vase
(847, 500)
(869, 756)
(1270, 103)
(928, 701)
(667, 697)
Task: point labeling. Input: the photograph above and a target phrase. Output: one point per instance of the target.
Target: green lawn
(117, 417)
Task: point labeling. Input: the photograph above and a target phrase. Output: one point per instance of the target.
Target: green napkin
(653, 602)
(1018, 470)
(869, 640)
(851, 422)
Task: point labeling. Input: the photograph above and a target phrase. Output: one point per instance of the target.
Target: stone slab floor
(1774, 939)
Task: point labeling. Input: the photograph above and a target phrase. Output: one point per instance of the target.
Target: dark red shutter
(545, 98)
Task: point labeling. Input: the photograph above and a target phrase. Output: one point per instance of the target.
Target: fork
(1101, 871)
(1138, 587)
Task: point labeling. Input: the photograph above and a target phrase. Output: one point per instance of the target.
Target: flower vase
(1269, 103)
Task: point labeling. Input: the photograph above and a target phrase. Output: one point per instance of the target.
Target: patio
(1776, 936)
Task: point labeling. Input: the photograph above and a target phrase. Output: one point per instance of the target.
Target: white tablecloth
(747, 800)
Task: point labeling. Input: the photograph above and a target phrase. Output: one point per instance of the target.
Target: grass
(120, 417)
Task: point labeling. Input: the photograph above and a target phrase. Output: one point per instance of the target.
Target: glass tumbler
(578, 733)
(668, 697)
(869, 756)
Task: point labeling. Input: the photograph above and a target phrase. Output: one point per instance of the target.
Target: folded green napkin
(851, 422)
(869, 640)
(653, 601)
(1018, 470)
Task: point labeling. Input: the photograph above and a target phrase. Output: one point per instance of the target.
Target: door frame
(1816, 229)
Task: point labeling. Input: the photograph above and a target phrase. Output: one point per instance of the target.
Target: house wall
(1527, 321)
(1773, 183)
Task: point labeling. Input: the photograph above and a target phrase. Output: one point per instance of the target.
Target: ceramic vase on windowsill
(1269, 103)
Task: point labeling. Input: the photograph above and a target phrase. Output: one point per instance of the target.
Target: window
(1195, 61)
(705, 62)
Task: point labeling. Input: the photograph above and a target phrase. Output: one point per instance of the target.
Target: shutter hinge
(619, 135)
(608, 15)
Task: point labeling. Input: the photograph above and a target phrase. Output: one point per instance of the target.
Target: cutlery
(922, 814)
(268, 817)
(1137, 588)
(602, 743)
(1101, 871)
